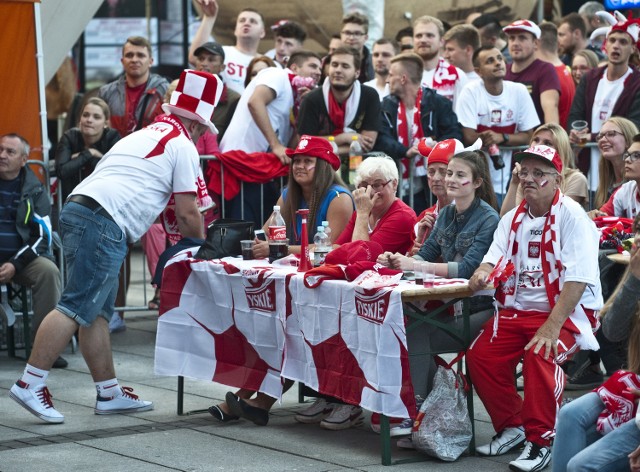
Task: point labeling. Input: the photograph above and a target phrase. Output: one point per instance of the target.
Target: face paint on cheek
(544, 183)
(466, 182)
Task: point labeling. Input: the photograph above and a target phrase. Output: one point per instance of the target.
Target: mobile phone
(260, 235)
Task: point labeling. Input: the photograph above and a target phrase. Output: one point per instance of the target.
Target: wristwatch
(505, 136)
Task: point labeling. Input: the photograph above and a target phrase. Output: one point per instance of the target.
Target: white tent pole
(41, 85)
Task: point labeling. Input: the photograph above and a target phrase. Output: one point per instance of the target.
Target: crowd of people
(437, 112)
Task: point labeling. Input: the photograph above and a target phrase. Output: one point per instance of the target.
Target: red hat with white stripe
(541, 152)
(195, 97)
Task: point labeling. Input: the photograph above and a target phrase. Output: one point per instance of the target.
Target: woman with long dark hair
(313, 184)
(461, 237)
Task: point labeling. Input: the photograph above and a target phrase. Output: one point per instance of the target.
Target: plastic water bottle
(355, 157)
(327, 229)
(322, 246)
(278, 247)
(334, 146)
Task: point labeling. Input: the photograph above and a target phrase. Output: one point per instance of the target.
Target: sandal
(154, 303)
(220, 415)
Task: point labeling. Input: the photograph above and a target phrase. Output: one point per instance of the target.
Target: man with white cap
(538, 76)
(610, 90)
(543, 262)
(115, 205)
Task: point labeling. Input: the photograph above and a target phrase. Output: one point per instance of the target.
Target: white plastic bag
(443, 428)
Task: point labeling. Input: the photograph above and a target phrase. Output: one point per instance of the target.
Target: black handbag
(223, 238)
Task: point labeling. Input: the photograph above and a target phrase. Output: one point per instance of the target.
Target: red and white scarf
(552, 271)
(445, 78)
(341, 115)
(417, 133)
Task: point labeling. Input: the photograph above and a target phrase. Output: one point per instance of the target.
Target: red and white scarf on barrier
(445, 78)
(409, 139)
(341, 115)
(552, 271)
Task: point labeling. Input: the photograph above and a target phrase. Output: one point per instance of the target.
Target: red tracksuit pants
(492, 364)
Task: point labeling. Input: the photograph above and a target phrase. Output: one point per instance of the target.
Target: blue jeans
(94, 247)
(579, 447)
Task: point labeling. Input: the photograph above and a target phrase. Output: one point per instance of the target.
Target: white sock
(33, 376)
(108, 388)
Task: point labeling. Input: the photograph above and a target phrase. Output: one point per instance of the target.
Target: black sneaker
(533, 458)
(586, 379)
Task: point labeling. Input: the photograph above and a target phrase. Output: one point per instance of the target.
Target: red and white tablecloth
(247, 324)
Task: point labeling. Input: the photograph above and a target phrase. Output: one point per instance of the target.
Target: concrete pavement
(161, 440)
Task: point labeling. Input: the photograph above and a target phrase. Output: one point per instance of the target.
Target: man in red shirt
(539, 77)
(548, 52)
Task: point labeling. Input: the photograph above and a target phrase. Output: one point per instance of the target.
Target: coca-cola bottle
(277, 236)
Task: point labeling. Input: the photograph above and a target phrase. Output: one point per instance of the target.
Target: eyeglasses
(632, 156)
(607, 134)
(536, 174)
(377, 186)
(353, 34)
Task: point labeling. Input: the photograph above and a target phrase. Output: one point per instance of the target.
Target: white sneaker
(503, 442)
(342, 417)
(318, 411)
(37, 401)
(397, 426)
(405, 443)
(533, 458)
(116, 324)
(126, 402)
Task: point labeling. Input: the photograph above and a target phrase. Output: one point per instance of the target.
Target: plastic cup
(579, 126)
(429, 274)
(247, 249)
(418, 274)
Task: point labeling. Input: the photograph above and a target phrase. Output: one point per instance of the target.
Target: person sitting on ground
(81, 148)
(546, 251)
(380, 216)
(460, 238)
(313, 184)
(598, 431)
(574, 182)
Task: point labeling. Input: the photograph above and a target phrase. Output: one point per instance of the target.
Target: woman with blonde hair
(614, 138)
(583, 61)
(574, 182)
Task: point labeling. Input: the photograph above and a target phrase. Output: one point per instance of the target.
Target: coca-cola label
(278, 233)
(372, 304)
(259, 290)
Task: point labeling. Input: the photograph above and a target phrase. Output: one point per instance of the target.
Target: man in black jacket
(25, 231)
(412, 112)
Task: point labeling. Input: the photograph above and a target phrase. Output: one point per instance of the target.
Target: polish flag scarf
(341, 115)
(409, 139)
(552, 272)
(445, 78)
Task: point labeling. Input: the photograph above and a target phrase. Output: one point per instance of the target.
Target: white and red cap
(541, 152)
(631, 26)
(195, 97)
(523, 25)
(445, 150)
